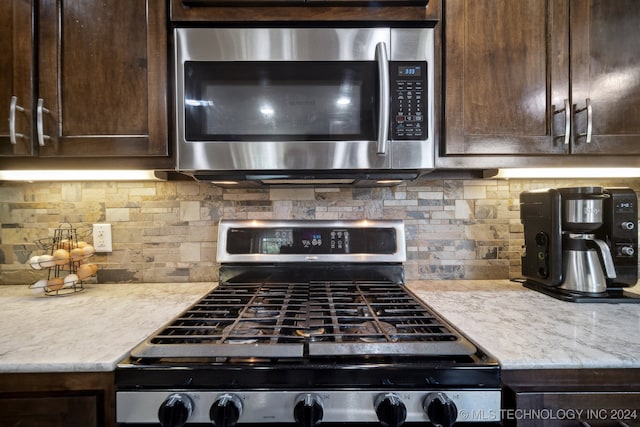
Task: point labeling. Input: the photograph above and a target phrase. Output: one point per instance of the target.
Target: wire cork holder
(65, 263)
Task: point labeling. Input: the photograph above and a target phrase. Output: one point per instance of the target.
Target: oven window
(262, 101)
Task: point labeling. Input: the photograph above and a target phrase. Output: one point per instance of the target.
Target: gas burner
(309, 322)
(312, 334)
(366, 311)
(377, 332)
(261, 311)
(242, 333)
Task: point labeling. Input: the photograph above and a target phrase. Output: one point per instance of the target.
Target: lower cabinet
(583, 397)
(49, 411)
(57, 400)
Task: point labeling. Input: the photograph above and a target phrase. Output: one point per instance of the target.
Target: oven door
(257, 99)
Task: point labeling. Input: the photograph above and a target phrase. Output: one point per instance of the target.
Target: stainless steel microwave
(304, 105)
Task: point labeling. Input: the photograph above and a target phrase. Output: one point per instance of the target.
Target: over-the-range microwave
(304, 105)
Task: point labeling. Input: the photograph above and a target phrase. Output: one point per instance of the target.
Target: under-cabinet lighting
(563, 173)
(311, 181)
(389, 181)
(79, 175)
(224, 182)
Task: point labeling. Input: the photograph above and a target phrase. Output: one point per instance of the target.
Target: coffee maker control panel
(621, 234)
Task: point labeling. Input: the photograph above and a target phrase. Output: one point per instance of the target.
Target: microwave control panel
(408, 100)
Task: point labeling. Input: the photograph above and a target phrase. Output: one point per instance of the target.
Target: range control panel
(260, 241)
(409, 98)
(311, 240)
(308, 407)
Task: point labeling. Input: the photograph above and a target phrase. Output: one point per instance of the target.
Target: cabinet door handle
(582, 423)
(13, 107)
(383, 113)
(567, 122)
(39, 122)
(589, 109)
(589, 121)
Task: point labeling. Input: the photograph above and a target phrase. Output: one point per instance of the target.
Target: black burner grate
(306, 319)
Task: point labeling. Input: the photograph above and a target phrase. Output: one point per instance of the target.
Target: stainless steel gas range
(310, 325)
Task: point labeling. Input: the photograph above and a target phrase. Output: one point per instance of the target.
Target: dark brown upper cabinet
(541, 77)
(102, 76)
(16, 69)
(298, 2)
(301, 11)
(101, 83)
(605, 70)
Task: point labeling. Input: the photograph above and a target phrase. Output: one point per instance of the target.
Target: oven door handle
(383, 113)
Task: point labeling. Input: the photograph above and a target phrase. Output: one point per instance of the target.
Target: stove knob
(175, 410)
(441, 410)
(226, 410)
(308, 410)
(390, 410)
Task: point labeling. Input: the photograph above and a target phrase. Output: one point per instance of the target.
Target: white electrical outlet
(102, 237)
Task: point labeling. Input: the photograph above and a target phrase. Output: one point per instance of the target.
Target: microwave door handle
(383, 112)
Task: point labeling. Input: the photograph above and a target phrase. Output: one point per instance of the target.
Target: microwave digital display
(410, 71)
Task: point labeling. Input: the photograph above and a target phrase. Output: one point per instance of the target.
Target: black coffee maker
(581, 243)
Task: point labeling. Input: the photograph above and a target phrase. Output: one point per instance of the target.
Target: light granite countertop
(525, 329)
(89, 331)
(521, 328)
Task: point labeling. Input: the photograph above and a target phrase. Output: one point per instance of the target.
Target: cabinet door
(374, 3)
(16, 71)
(240, 2)
(318, 10)
(575, 409)
(73, 411)
(297, 2)
(605, 67)
(505, 76)
(102, 77)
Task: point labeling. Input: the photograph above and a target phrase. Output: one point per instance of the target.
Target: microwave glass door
(280, 100)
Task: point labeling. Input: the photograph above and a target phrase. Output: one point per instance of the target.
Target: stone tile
(282, 209)
(464, 209)
(190, 252)
(306, 193)
(189, 211)
(246, 195)
(71, 192)
(94, 194)
(117, 215)
(167, 231)
(475, 192)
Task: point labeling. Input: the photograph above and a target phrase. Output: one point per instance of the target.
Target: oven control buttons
(390, 409)
(225, 410)
(308, 410)
(440, 409)
(175, 410)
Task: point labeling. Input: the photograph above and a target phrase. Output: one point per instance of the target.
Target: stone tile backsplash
(167, 231)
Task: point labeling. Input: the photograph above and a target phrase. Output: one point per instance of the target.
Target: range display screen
(311, 241)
